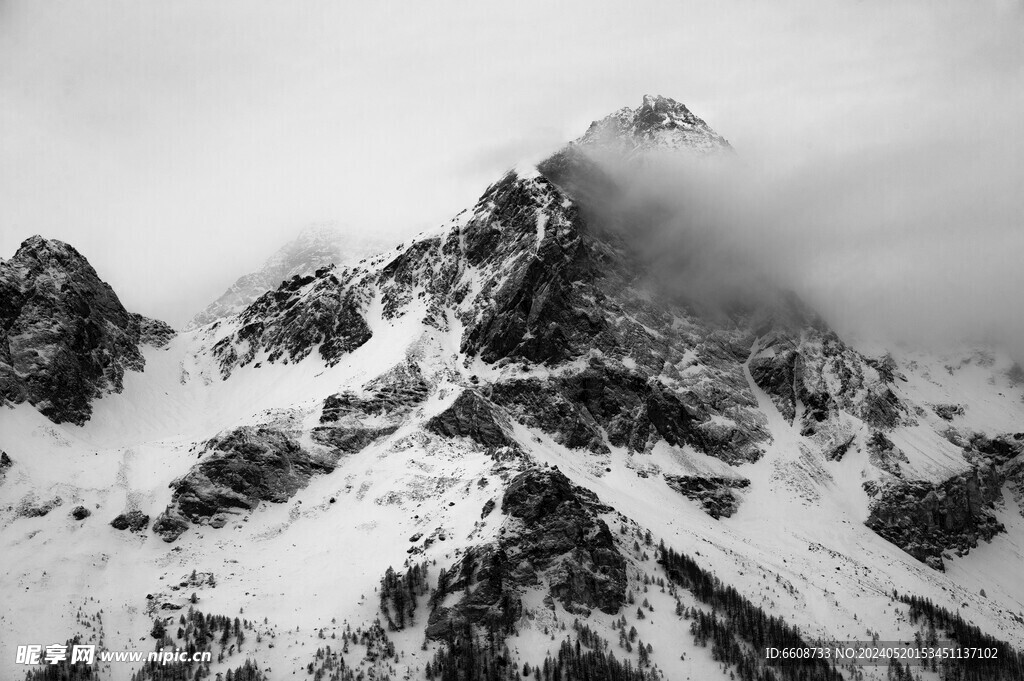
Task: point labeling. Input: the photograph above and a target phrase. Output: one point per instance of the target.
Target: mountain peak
(659, 123)
(37, 244)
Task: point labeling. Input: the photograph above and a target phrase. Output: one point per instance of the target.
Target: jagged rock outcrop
(553, 536)
(242, 468)
(80, 513)
(582, 407)
(65, 338)
(883, 454)
(472, 416)
(804, 364)
(153, 331)
(349, 439)
(715, 494)
(323, 311)
(393, 393)
(5, 463)
(354, 419)
(927, 519)
(136, 521)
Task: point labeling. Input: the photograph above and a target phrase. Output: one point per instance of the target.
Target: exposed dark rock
(244, 467)
(65, 338)
(927, 519)
(322, 311)
(553, 535)
(472, 416)
(881, 408)
(136, 521)
(80, 513)
(775, 374)
(999, 448)
(882, 453)
(715, 494)
(541, 405)
(578, 407)
(31, 508)
(5, 461)
(392, 393)
(544, 308)
(153, 331)
(805, 364)
(885, 366)
(170, 525)
(838, 451)
(349, 439)
(948, 411)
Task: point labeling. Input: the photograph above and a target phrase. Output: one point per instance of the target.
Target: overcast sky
(176, 144)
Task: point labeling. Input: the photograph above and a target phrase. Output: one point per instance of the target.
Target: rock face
(136, 521)
(315, 247)
(551, 535)
(715, 494)
(65, 338)
(470, 416)
(153, 331)
(802, 362)
(582, 407)
(391, 394)
(883, 454)
(243, 468)
(927, 519)
(329, 317)
(351, 420)
(349, 439)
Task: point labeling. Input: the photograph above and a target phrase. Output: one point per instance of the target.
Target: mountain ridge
(486, 434)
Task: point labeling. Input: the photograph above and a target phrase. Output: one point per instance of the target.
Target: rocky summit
(65, 338)
(526, 444)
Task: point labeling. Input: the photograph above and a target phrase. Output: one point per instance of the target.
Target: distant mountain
(315, 246)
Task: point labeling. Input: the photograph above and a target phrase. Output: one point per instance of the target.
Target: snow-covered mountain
(314, 247)
(504, 450)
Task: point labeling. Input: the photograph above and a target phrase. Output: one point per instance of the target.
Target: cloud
(176, 144)
(917, 239)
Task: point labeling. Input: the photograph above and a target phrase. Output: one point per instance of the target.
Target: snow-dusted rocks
(65, 338)
(551, 536)
(472, 416)
(658, 123)
(717, 495)
(928, 519)
(243, 468)
(320, 311)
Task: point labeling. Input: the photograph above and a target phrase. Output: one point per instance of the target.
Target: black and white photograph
(511, 341)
